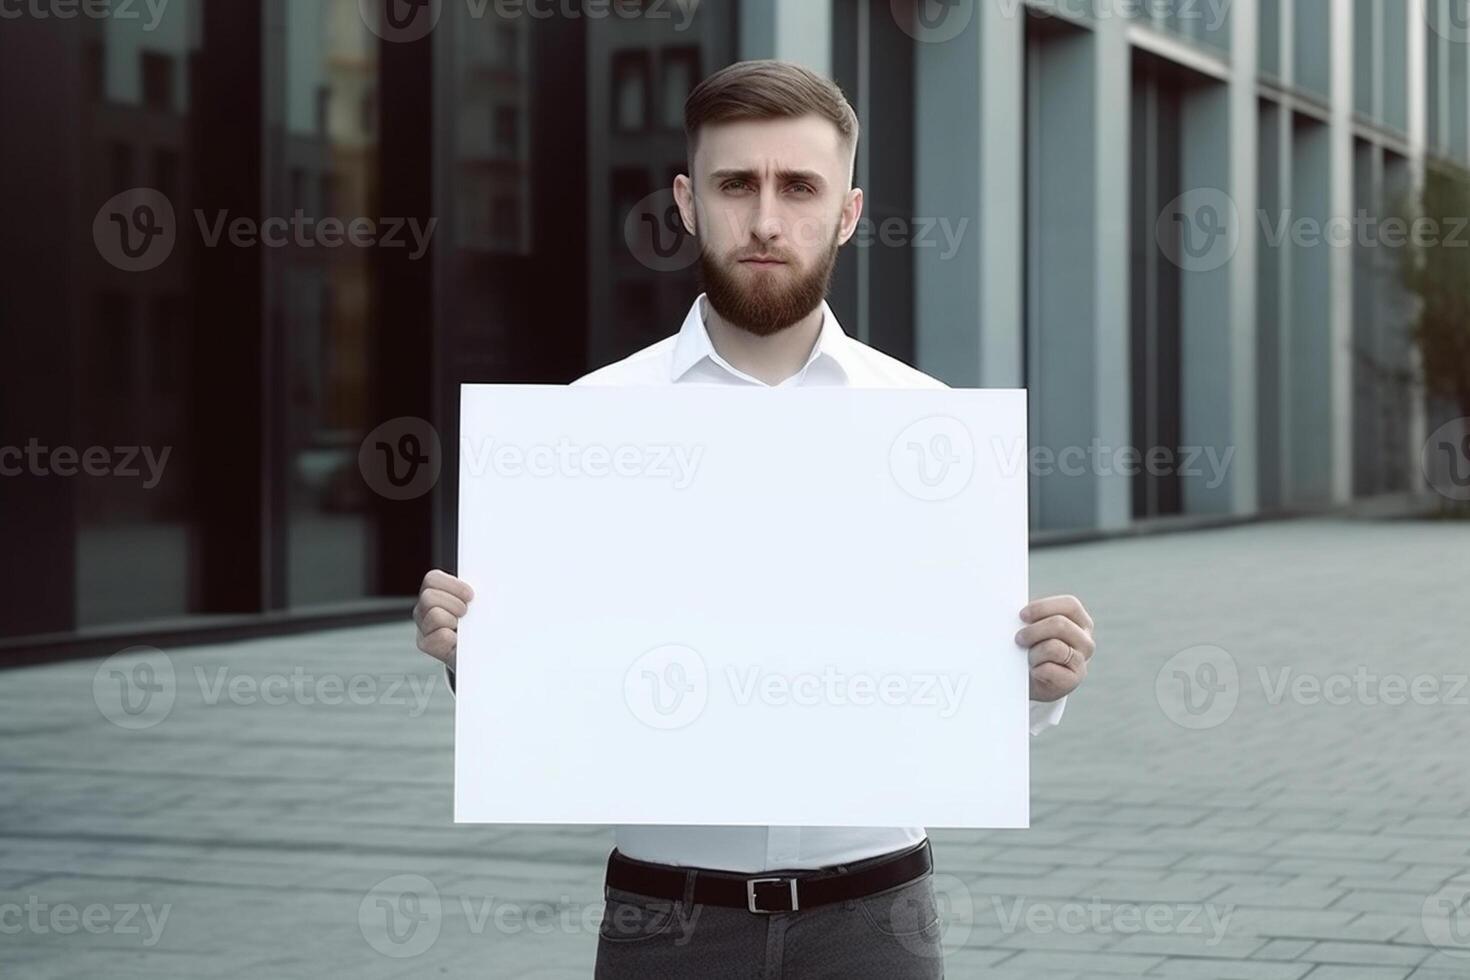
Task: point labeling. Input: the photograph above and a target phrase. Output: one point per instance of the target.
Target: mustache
(765, 255)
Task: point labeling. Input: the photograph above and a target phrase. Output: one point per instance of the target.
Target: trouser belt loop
(689, 877)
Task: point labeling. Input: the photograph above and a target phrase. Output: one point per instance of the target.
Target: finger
(445, 582)
(438, 618)
(1058, 605)
(438, 644)
(1057, 628)
(1055, 652)
(1052, 681)
(431, 599)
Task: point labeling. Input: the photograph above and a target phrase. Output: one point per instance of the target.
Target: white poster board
(719, 605)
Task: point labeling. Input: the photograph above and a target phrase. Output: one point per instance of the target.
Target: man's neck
(770, 359)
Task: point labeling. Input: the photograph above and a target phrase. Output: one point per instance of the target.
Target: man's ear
(684, 197)
(852, 210)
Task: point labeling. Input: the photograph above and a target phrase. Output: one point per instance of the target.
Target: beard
(766, 301)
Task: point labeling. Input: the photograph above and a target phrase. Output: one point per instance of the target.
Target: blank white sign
(713, 605)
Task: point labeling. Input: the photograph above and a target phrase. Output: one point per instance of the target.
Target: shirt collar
(693, 345)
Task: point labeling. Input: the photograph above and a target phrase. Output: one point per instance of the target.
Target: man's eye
(736, 185)
(803, 189)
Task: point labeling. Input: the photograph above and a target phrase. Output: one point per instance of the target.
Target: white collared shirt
(836, 359)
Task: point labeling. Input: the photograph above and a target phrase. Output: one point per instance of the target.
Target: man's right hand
(443, 599)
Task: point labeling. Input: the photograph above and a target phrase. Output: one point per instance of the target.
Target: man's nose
(769, 223)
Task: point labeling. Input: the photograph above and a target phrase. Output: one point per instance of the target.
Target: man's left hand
(1058, 635)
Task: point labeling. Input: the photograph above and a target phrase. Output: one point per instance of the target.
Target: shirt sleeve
(1044, 714)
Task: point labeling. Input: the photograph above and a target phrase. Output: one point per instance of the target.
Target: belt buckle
(750, 884)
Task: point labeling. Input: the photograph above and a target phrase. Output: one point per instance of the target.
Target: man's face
(769, 202)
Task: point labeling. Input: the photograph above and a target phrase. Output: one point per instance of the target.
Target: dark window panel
(630, 91)
(158, 81)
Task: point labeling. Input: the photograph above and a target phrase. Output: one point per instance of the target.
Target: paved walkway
(1267, 777)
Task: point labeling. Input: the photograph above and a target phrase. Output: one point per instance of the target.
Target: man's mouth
(762, 260)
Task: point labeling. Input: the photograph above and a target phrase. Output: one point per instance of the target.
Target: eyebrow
(784, 176)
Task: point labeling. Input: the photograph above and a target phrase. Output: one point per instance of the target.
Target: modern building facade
(1125, 206)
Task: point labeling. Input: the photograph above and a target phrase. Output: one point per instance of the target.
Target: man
(770, 200)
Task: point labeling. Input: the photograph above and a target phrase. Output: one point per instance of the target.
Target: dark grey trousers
(893, 935)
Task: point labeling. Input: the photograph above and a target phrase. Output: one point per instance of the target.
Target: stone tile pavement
(1266, 777)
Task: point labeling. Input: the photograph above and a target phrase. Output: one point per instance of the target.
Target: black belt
(770, 893)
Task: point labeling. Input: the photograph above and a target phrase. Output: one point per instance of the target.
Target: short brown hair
(767, 90)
